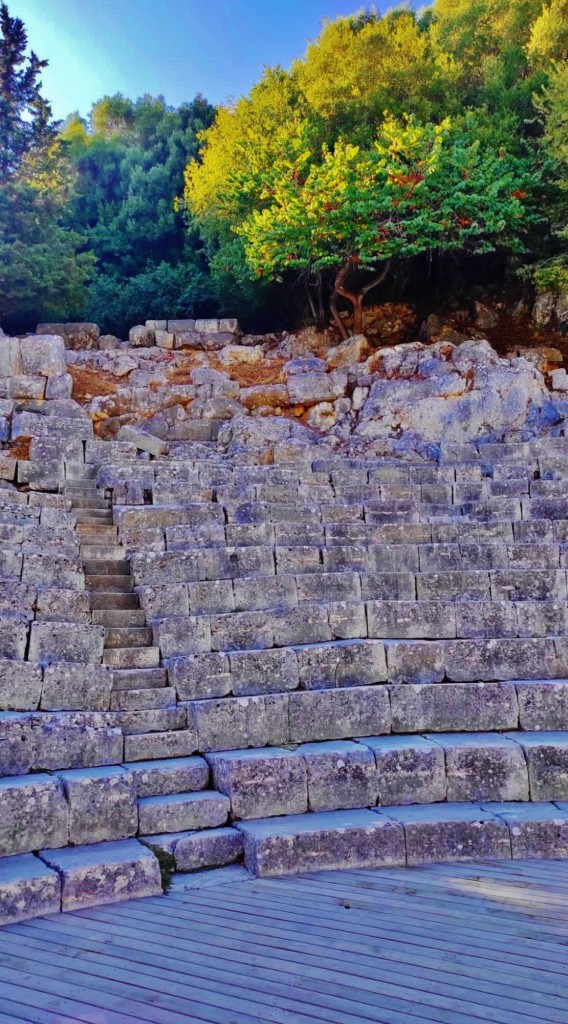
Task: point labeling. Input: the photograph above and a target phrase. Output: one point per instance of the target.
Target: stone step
(118, 617)
(110, 583)
(332, 714)
(93, 516)
(166, 776)
(90, 533)
(102, 552)
(104, 873)
(112, 600)
(401, 835)
(143, 699)
(81, 490)
(80, 470)
(196, 850)
(180, 812)
(127, 636)
(107, 567)
(158, 745)
(131, 657)
(139, 678)
(391, 770)
(151, 720)
(90, 503)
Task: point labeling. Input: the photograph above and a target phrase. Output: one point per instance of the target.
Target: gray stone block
(451, 832)
(182, 635)
(486, 619)
(542, 618)
(453, 707)
(55, 605)
(44, 355)
(409, 770)
(307, 624)
(269, 671)
(28, 888)
(341, 663)
(339, 714)
(169, 775)
(181, 812)
(60, 641)
(411, 620)
(70, 740)
(142, 746)
(536, 830)
(536, 585)
(341, 775)
(264, 592)
(483, 766)
(241, 631)
(76, 688)
(104, 873)
(328, 840)
(261, 783)
(212, 597)
(33, 814)
(20, 686)
(329, 586)
(191, 851)
(543, 704)
(471, 660)
(547, 759)
(14, 638)
(200, 676)
(102, 804)
(415, 661)
(347, 620)
(169, 599)
(388, 586)
(11, 565)
(232, 724)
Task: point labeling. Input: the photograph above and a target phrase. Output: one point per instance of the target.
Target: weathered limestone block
(56, 605)
(341, 775)
(182, 811)
(164, 601)
(206, 326)
(13, 638)
(536, 830)
(486, 619)
(76, 687)
(104, 873)
(200, 676)
(312, 388)
(59, 387)
(265, 396)
(33, 813)
(10, 357)
(471, 660)
(306, 625)
(10, 566)
(169, 775)
(26, 387)
(211, 597)
(28, 888)
(343, 663)
(181, 635)
(415, 661)
(170, 567)
(102, 804)
(543, 704)
(547, 759)
(545, 618)
(242, 631)
(255, 593)
(347, 620)
(60, 641)
(268, 671)
(43, 355)
(483, 766)
(141, 336)
(312, 842)
(339, 714)
(475, 707)
(20, 686)
(329, 586)
(52, 570)
(80, 336)
(68, 740)
(241, 722)
(8, 467)
(409, 770)
(261, 783)
(451, 832)
(411, 619)
(171, 743)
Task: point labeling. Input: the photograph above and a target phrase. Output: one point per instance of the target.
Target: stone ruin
(263, 604)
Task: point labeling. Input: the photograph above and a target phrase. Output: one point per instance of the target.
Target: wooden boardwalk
(454, 944)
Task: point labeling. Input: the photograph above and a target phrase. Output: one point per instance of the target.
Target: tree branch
(376, 280)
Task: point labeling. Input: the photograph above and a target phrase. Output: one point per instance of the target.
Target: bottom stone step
(104, 873)
(193, 851)
(28, 888)
(179, 812)
(147, 746)
(436, 833)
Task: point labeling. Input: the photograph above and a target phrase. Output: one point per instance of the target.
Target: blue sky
(170, 47)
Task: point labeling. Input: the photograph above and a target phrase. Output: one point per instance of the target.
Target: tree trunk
(355, 298)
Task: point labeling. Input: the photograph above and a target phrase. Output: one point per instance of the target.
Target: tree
(42, 266)
(420, 188)
(25, 116)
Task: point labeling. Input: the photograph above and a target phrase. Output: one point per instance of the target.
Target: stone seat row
(208, 564)
(55, 741)
(46, 641)
(82, 806)
(317, 622)
(288, 591)
(45, 603)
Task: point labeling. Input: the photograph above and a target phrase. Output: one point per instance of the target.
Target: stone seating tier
(321, 662)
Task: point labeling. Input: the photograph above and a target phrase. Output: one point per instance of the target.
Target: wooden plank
(23, 1012)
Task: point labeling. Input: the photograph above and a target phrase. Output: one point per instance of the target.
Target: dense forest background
(425, 155)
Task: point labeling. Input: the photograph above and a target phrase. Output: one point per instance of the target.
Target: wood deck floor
(454, 944)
